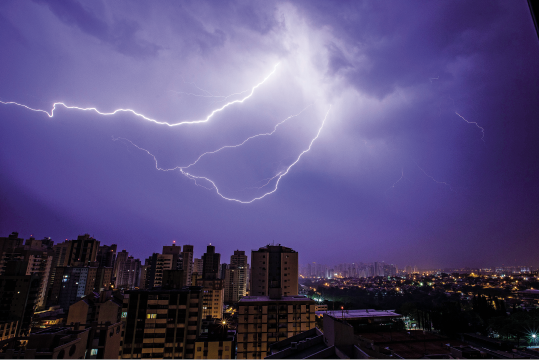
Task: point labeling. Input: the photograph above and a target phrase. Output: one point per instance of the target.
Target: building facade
(274, 271)
(263, 321)
(161, 323)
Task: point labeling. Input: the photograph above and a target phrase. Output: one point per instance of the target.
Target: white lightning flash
(476, 124)
(51, 113)
(279, 176)
(183, 169)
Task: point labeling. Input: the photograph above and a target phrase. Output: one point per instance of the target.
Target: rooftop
(358, 314)
(282, 299)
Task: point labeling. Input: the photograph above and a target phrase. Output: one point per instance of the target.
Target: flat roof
(282, 299)
(358, 314)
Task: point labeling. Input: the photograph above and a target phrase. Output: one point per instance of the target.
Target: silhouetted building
(210, 263)
(106, 255)
(19, 295)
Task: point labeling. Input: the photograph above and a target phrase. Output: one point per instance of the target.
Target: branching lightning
(476, 124)
(51, 113)
(183, 169)
(279, 176)
(436, 181)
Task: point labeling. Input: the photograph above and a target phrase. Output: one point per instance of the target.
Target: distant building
(71, 284)
(236, 277)
(211, 263)
(274, 271)
(263, 321)
(106, 255)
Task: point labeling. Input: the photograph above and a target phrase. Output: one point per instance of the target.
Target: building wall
(161, 323)
(213, 298)
(261, 323)
(214, 349)
(274, 267)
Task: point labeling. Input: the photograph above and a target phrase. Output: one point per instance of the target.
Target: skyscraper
(236, 277)
(274, 271)
(213, 291)
(210, 263)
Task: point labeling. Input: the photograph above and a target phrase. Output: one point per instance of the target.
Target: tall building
(263, 321)
(210, 263)
(83, 251)
(128, 276)
(187, 263)
(106, 255)
(19, 295)
(213, 297)
(37, 259)
(274, 271)
(71, 284)
(121, 257)
(214, 291)
(80, 252)
(198, 266)
(236, 277)
(161, 323)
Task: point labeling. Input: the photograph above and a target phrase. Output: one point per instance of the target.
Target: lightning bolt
(183, 169)
(396, 182)
(279, 176)
(476, 124)
(436, 181)
(51, 113)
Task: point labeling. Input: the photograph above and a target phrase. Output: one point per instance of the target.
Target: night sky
(415, 124)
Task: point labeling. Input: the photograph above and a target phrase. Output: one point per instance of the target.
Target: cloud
(121, 35)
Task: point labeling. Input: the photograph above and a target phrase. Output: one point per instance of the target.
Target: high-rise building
(161, 323)
(121, 257)
(274, 271)
(198, 266)
(263, 321)
(187, 263)
(210, 263)
(128, 276)
(236, 277)
(37, 259)
(106, 255)
(71, 284)
(213, 292)
(19, 295)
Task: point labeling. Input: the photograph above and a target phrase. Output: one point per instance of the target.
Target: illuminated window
(124, 314)
(93, 352)
(151, 316)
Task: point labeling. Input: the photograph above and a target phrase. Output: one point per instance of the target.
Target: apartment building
(263, 321)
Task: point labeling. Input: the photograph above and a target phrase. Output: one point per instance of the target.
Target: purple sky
(428, 155)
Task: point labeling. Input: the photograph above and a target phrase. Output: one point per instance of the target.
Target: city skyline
(355, 132)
